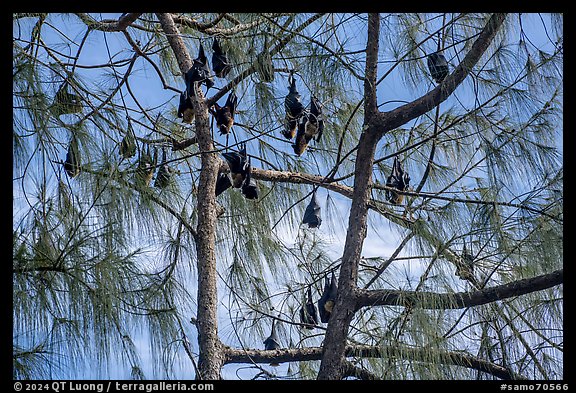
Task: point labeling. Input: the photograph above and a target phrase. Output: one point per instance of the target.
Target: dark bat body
(164, 175)
(314, 121)
(264, 66)
(438, 66)
(72, 163)
(398, 179)
(128, 144)
(224, 115)
(301, 142)
(222, 183)
(249, 187)
(312, 213)
(66, 102)
(199, 72)
(238, 163)
(465, 267)
(241, 173)
(294, 110)
(220, 64)
(272, 343)
(185, 109)
(328, 299)
(145, 169)
(308, 313)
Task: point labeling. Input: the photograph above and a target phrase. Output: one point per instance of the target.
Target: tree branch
(209, 27)
(210, 348)
(367, 351)
(431, 300)
(250, 70)
(387, 121)
(109, 25)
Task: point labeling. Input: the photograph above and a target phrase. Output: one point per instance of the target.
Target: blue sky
(150, 92)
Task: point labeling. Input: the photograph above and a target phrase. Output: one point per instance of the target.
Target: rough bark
(367, 351)
(376, 124)
(211, 356)
(430, 300)
(332, 365)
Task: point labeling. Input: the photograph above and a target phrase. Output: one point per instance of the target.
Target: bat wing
(312, 213)
(72, 163)
(249, 187)
(438, 66)
(322, 311)
(231, 103)
(235, 161)
(222, 183)
(301, 142)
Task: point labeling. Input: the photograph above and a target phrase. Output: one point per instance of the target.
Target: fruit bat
(199, 72)
(249, 187)
(312, 213)
(328, 298)
(465, 266)
(66, 102)
(314, 121)
(128, 144)
(185, 108)
(398, 179)
(224, 115)
(294, 109)
(222, 183)
(220, 64)
(164, 174)
(145, 169)
(272, 343)
(237, 161)
(264, 65)
(438, 66)
(308, 313)
(72, 163)
(301, 142)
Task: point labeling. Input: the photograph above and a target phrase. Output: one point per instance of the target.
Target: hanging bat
(465, 266)
(249, 187)
(220, 64)
(128, 143)
(438, 66)
(145, 169)
(272, 343)
(310, 126)
(312, 213)
(237, 161)
(185, 108)
(301, 142)
(328, 299)
(164, 175)
(199, 72)
(72, 163)
(265, 68)
(294, 109)
(222, 183)
(308, 313)
(398, 179)
(66, 102)
(314, 121)
(224, 115)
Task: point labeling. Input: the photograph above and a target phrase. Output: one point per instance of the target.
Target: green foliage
(101, 260)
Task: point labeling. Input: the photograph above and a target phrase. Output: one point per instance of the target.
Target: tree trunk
(211, 358)
(376, 124)
(333, 365)
(333, 360)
